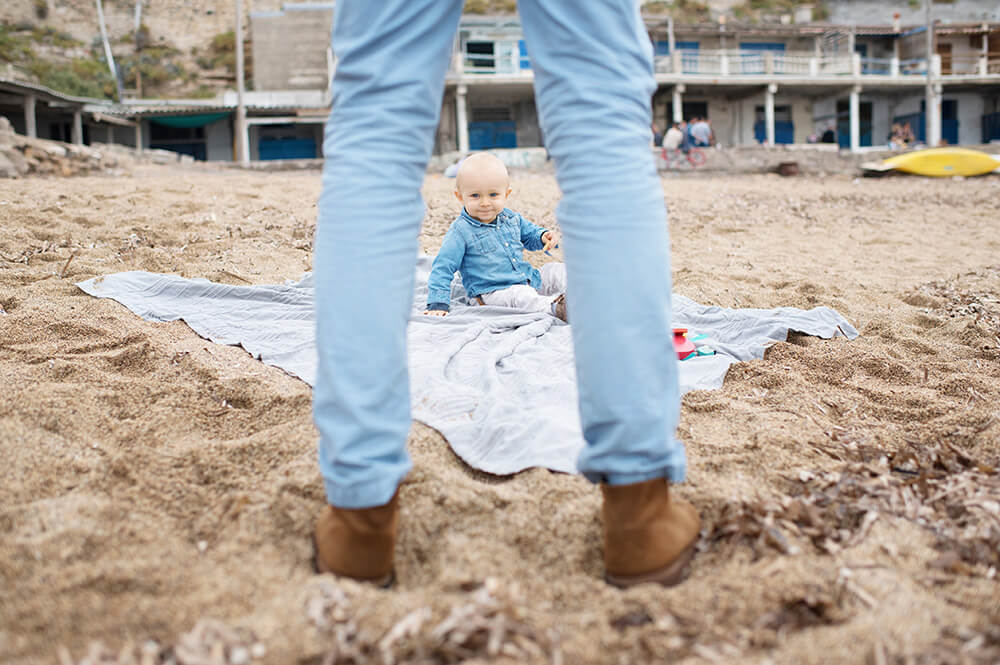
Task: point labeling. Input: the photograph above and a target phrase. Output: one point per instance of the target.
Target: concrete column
(855, 64)
(894, 66)
(242, 129)
(855, 118)
(678, 103)
(724, 64)
(671, 40)
(932, 102)
(984, 52)
(769, 112)
(77, 127)
(244, 137)
(31, 129)
(769, 62)
(462, 118)
(934, 116)
(677, 65)
(138, 135)
(813, 66)
(331, 67)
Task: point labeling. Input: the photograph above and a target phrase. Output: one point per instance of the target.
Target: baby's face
(483, 193)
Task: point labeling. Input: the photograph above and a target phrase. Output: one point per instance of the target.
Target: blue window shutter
(762, 46)
(522, 49)
(661, 47)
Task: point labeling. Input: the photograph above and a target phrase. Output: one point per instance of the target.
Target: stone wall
(22, 156)
(290, 48)
(810, 159)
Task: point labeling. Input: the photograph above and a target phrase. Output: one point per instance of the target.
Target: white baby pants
(524, 296)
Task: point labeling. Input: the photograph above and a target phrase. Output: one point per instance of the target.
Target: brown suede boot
(357, 543)
(559, 308)
(648, 536)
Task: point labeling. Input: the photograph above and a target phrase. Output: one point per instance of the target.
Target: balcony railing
(752, 63)
(737, 63)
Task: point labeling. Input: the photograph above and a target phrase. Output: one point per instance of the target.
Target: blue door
(784, 128)
(286, 148)
(991, 127)
(949, 121)
(784, 132)
(484, 135)
(844, 123)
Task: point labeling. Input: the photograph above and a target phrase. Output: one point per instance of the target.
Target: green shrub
(82, 77)
(52, 37)
(13, 47)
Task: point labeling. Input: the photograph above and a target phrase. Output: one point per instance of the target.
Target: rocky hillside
(163, 48)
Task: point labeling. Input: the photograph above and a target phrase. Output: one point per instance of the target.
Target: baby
(486, 245)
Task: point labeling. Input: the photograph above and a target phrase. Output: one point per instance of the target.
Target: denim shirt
(489, 257)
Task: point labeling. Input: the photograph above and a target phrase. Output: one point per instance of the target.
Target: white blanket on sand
(498, 384)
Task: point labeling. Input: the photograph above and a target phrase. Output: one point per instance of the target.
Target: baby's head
(482, 185)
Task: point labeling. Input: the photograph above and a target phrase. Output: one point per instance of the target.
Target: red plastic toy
(682, 345)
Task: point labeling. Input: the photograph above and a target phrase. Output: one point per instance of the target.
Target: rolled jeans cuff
(673, 473)
(368, 495)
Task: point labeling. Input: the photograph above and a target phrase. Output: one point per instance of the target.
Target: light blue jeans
(593, 70)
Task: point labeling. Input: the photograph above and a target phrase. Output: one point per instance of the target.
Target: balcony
(735, 64)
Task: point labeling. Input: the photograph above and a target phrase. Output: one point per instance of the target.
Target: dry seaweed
(941, 488)
(487, 622)
(210, 642)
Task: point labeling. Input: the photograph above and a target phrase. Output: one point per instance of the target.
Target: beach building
(781, 82)
(758, 83)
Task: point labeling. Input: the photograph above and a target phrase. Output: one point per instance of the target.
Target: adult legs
(392, 59)
(593, 81)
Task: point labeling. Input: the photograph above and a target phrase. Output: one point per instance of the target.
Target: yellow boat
(939, 163)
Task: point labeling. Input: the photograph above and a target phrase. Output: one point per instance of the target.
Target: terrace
(514, 63)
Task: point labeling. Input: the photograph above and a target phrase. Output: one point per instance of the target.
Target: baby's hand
(550, 239)
(435, 312)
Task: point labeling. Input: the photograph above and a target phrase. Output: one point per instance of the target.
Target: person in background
(906, 135)
(701, 133)
(392, 59)
(686, 140)
(675, 136)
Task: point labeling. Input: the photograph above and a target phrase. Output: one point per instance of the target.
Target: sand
(159, 488)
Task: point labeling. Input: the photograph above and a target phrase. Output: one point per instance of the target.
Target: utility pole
(242, 142)
(107, 50)
(931, 110)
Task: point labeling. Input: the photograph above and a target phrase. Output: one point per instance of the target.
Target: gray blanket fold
(498, 384)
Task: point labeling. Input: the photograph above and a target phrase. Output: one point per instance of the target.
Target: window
(158, 132)
(479, 55)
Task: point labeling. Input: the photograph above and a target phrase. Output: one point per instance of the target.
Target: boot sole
(322, 569)
(670, 575)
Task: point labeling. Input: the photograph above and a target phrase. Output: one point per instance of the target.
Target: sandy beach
(158, 488)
